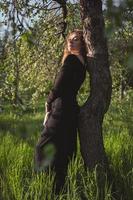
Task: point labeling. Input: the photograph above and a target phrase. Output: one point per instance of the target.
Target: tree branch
(64, 12)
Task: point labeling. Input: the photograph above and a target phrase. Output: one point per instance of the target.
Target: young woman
(61, 119)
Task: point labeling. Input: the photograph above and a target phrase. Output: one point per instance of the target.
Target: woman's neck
(75, 52)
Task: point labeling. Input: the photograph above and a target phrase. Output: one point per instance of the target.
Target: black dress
(61, 126)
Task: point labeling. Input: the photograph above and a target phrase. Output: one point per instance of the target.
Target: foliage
(119, 30)
(31, 62)
(18, 179)
(120, 114)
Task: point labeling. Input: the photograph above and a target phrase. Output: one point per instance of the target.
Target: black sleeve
(63, 76)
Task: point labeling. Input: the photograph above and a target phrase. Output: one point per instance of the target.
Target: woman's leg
(66, 144)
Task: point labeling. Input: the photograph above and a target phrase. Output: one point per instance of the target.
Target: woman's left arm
(61, 81)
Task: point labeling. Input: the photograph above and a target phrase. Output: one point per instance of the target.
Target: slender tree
(92, 112)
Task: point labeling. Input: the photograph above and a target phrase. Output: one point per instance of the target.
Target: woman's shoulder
(72, 59)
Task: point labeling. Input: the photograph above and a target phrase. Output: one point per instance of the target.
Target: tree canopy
(32, 47)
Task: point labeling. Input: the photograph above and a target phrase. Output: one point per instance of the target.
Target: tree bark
(92, 112)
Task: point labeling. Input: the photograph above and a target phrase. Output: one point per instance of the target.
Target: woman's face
(74, 42)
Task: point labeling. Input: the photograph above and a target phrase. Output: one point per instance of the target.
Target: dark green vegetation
(18, 138)
(28, 64)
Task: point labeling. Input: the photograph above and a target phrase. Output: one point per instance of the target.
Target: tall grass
(18, 179)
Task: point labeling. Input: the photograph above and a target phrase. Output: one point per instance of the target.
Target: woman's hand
(47, 111)
(46, 117)
(47, 107)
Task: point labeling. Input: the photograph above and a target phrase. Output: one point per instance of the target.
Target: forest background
(30, 54)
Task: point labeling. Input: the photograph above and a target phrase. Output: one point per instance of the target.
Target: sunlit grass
(19, 180)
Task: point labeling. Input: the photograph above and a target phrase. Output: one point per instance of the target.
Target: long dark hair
(83, 49)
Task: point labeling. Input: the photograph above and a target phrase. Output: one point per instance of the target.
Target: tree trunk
(92, 112)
